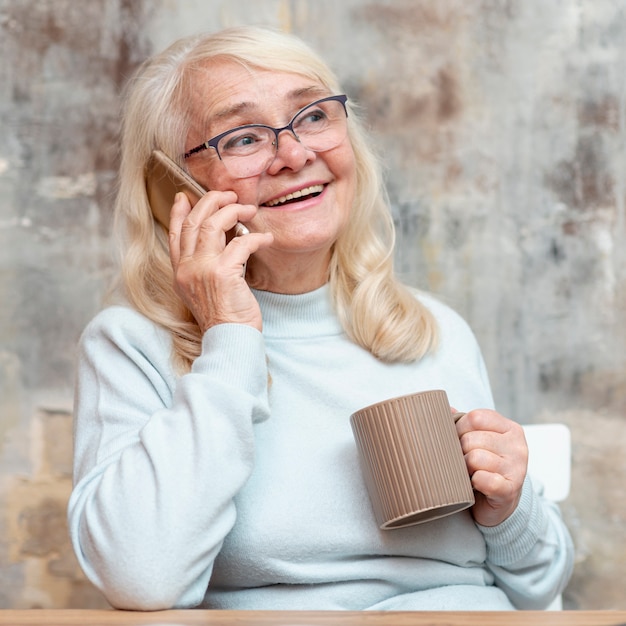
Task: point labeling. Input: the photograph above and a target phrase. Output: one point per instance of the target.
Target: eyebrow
(243, 107)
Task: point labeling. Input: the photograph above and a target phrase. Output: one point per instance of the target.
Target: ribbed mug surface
(411, 459)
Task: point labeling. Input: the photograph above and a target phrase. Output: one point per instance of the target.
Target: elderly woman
(214, 460)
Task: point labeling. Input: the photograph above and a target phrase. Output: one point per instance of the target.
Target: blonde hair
(375, 309)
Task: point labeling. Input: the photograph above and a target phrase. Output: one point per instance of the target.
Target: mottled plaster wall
(503, 127)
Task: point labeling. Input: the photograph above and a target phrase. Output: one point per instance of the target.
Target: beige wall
(503, 123)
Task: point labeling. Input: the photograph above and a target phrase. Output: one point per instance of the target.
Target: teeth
(296, 194)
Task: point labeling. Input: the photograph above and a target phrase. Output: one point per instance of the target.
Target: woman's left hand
(496, 455)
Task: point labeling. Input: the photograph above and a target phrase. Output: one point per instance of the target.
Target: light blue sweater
(214, 477)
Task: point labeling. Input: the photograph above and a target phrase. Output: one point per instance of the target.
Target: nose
(290, 153)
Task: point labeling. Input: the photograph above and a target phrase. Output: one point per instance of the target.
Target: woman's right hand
(208, 272)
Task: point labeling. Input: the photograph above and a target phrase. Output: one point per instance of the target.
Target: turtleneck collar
(298, 316)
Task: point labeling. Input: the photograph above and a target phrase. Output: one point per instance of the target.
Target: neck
(292, 275)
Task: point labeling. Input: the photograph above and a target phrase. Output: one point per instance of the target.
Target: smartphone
(164, 178)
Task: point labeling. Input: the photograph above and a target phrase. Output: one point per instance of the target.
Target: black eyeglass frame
(212, 143)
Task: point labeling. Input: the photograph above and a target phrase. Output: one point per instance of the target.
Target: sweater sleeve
(531, 553)
(159, 459)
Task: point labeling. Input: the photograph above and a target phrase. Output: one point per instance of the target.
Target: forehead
(226, 91)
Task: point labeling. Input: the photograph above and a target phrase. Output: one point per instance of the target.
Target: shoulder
(121, 320)
(451, 324)
(458, 356)
(121, 329)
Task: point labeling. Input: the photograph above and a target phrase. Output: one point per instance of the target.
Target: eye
(245, 140)
(311, 117)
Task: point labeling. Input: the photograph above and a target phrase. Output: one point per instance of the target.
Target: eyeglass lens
(249, 150)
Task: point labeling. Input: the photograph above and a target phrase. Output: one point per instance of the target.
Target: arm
(531, 553)
(156, 470)
(529, 550)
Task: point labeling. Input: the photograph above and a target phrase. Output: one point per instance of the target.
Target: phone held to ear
(164, 178)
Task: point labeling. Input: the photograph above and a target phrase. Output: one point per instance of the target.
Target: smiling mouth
(296, 196)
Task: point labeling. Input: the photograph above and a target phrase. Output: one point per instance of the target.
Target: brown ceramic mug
(411, 459)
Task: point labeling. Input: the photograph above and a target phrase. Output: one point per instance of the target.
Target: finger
(507, 446)
(485, 420)
(479, 459)
(180, 210)
(239, 250)
(484, 439)
(480, 462)
(212, 234)
(197, 222)
(495, 487)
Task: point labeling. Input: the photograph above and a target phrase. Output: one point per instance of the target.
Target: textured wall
(503, 125)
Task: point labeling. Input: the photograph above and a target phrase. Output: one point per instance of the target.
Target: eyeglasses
(249, 150)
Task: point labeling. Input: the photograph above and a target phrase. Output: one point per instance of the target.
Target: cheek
(213, 176)
(344, 166)
(346, 174)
